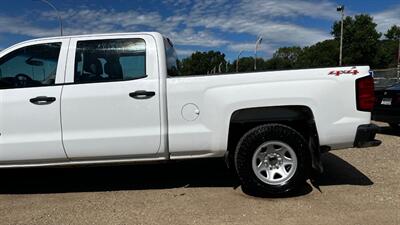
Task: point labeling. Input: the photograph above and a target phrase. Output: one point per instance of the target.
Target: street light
(340, 9)
(237, 61)
(220, 67)
(58, 13)
(258, 43)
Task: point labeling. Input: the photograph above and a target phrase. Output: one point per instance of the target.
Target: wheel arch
(299, 117)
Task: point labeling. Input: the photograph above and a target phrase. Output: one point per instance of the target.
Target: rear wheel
(271, 160)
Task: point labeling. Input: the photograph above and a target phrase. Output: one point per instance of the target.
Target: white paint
(101, 123)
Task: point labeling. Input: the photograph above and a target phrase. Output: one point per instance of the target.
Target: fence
(386, 77)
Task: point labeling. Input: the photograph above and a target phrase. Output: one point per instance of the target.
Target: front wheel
(271, 159)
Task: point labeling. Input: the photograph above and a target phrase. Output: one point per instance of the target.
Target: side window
(110, 60)
(31, 66)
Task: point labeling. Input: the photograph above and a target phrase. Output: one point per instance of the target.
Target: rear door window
(110, 60)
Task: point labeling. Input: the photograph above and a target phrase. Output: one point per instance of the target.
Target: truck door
(30, 124)
(110, 105)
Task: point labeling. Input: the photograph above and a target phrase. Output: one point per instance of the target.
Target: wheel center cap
(273, 159)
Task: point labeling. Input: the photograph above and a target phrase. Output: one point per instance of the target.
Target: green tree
(393, 33)
(200, 63)
(322, 54)
(284, 58)
(360, 39)
(246, 64)
(387, 54)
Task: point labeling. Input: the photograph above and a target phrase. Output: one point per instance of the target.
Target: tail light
(365, 94)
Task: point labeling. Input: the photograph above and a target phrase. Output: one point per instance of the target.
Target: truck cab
(110, 93)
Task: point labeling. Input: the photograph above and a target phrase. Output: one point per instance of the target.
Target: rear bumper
(365, 136)
(388, 115)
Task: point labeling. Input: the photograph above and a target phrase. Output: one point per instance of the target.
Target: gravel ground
(359, 186)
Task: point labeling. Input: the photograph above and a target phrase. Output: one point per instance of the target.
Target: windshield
(172, 58)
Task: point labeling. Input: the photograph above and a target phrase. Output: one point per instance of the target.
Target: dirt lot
(359, 186)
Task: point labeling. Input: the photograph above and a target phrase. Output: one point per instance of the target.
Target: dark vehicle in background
(387, 106)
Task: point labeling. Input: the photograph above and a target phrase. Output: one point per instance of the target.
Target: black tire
(247, 147)
(395, 126)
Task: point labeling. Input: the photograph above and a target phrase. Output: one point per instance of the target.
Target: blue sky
(225, 25)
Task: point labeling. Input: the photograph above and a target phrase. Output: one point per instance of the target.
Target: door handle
(142, 94)
(42, 100)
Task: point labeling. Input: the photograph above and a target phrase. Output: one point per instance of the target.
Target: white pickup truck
(116, 98)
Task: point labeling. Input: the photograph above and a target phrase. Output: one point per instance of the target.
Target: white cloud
(202, 23)
(242, 47)
(178, 3)
(182, 53)
(250, 47)
(266, 17)
(17, 25)
(387, 18)
(292, 8)
(103, 21)
(273, 32)
(83, 21)
(191, 37)
(193, 23)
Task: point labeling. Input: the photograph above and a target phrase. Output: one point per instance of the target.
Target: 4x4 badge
(337, 73)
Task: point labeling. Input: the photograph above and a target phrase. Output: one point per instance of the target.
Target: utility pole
(58, 14)
(258, 43)
(237, 61)
(341, 10)
(398, 62)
